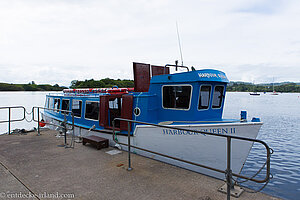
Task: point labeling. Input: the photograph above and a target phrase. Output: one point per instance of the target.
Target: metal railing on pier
(228, 172)
(10, 120)
(63, 125)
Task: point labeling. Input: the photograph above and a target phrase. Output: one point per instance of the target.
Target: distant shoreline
(278, 87)
(107, 82)
(7, 87)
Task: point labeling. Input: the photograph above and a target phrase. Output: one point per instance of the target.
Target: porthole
(137, 111)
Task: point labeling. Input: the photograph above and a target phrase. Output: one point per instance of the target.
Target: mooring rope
(28, 120)
(266, 183)
(28, 113)
(261, 188)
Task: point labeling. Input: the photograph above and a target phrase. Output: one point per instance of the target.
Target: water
(281, 131)
(26, 99)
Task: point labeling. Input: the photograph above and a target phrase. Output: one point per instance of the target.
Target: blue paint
(151, 103)
(243, 115)
(254, 119)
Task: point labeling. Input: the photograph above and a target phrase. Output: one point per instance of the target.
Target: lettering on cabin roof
(211, 75)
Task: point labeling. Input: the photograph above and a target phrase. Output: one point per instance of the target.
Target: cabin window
(65, 105)
(177, 97)
(92, 110)
(50, 103)
(204, 97)
(56, 105)
(76, 107)
(218, 97)
(115, 106)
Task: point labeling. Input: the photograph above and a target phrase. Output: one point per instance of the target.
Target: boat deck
(36, 163)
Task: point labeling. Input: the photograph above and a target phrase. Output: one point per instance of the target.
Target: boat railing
(75, 94)
(228, 172)
(56, 94)
(176, 66)
(10, 109)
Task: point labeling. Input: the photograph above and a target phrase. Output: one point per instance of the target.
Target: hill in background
(30, 87)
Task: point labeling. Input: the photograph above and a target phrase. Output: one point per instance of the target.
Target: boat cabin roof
(205, 75)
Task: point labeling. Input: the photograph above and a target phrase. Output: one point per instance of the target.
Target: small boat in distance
(254, 93)
(274, 92)
(191, 100)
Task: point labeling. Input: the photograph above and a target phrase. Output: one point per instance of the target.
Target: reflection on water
(281, 131)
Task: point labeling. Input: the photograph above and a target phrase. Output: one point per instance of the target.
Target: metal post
(113, 124)
(72, 114)
(129, 159)
(228, 170)
(9, 120)
(38, 115)
(65, 129)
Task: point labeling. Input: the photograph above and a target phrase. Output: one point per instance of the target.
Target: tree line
(108, 83)
(103, 83)
(30, 87)
(246, 87)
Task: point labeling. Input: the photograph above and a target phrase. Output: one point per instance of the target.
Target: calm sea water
(26, 99)
(281, 131)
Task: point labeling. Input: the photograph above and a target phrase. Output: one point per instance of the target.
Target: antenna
(179, 44)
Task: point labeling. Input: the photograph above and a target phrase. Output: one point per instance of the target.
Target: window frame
(222, 97)
(58, 106)
(62, 106)
(162, 95)
(209, 102)
(85, 110)
(49, 104)
(80, 109)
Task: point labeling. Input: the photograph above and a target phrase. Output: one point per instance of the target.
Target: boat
(191, 100)
(254, 93)
(274, 92)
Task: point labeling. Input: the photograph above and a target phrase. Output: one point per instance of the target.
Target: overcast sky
(57, 41)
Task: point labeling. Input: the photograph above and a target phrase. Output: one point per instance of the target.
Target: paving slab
(36, 163)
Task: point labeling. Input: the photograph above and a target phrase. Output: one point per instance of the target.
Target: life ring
(42, 123)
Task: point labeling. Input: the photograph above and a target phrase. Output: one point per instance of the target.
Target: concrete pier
(35, 164)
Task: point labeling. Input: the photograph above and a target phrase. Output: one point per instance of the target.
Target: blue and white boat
(193, 100)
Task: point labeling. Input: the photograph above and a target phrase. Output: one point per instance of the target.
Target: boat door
(115, 106)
